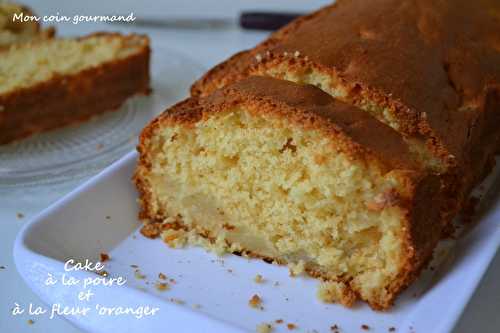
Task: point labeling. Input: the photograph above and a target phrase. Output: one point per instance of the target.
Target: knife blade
(267, 21)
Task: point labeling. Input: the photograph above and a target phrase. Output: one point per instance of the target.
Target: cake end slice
(281, 171)
(53, 83)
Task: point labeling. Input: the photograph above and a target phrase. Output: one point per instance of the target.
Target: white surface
(87, 222)
(207, 48)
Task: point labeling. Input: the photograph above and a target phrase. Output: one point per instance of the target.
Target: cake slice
(281, 171)
(53, 83)
(429, 69)
(16, 31)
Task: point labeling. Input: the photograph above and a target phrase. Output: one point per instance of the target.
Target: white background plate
(77, 227)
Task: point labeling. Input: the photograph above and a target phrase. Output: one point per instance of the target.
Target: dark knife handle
(266, 20)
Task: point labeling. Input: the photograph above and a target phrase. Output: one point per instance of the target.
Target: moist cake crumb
(150, 230)
(162, 286)
(175, 238)
(258, 279)
(104, 257)
(336, 292)
(279, 321)
(162, 276)
(291, 326)
(255, 301)
(297, 268)
(365, 327)
(264, 328)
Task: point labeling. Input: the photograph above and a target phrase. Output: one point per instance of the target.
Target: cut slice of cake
(281, 171)
(13, 30)
(57, 82)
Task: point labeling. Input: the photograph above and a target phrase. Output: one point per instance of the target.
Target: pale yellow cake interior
(259, 184)
(333, 86)
(28, 64)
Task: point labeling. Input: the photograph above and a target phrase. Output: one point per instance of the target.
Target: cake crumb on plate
(258, 279)
(255, 301)
(162, 286)
(264, 328)
(104, 257)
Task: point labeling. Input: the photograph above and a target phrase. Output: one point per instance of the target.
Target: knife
(267, 21)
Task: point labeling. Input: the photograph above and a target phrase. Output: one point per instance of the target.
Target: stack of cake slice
(341, 146)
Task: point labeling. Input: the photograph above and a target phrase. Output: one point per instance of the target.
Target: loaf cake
(16, 31)
(343, 145)
(57, 82)
(429, 69)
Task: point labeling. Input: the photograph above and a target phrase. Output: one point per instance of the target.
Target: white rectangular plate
(101, 216)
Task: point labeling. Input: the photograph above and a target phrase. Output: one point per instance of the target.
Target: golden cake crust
(352, 130)
(70, 99)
